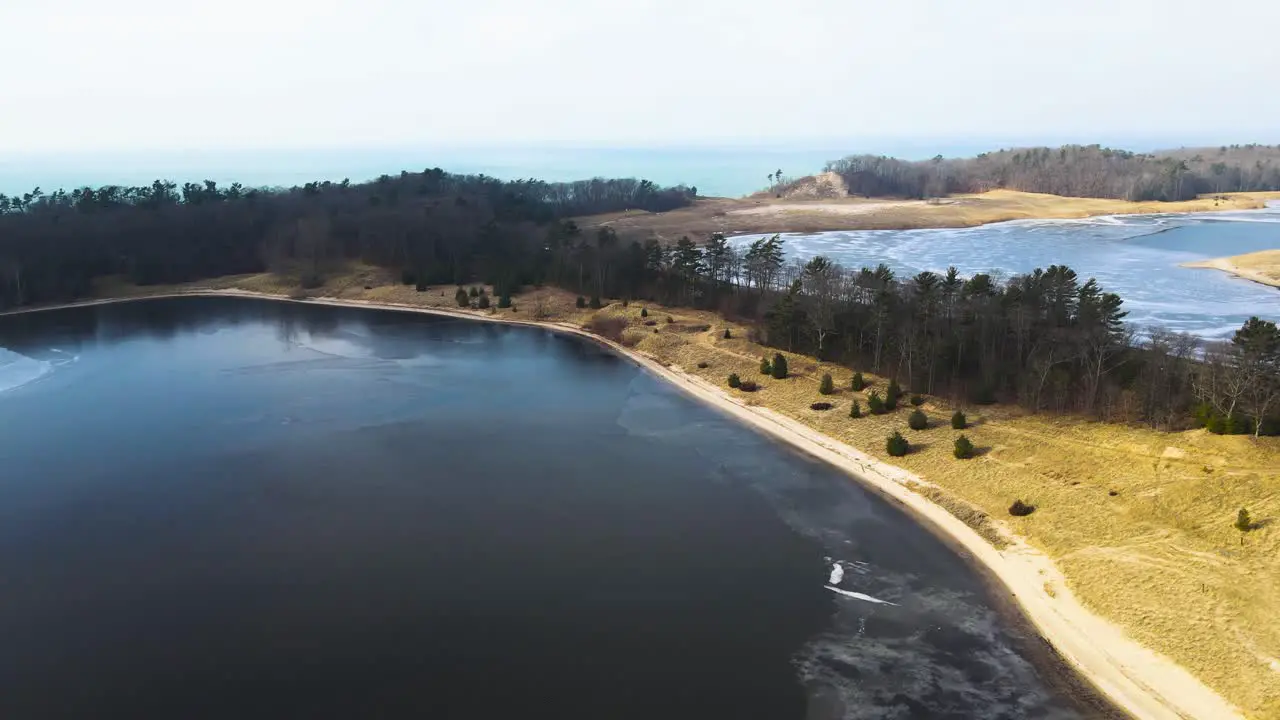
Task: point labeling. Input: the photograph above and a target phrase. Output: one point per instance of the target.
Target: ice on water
(17, 370)
(859, 596)
(1135, 256)
(837, 574)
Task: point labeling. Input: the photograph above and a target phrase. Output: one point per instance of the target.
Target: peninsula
(796, 211)
(1260, 267)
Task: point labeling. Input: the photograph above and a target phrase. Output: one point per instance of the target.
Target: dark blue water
(229, 508)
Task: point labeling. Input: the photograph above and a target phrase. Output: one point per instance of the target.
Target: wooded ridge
(1071, 170)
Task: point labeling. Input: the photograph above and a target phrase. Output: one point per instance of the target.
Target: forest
(1047, 340)
(436, 225)
(1070, 170)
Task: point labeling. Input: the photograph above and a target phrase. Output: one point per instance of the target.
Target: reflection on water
(238, 508)
(1135, 256)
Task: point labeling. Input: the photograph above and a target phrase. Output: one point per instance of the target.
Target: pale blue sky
(153, 74)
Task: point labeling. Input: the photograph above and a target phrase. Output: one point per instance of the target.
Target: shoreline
(1228, 265)
(769, 215)
(1133, 678)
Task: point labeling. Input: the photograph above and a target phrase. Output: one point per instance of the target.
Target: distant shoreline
(767, 215)
(1134, 678)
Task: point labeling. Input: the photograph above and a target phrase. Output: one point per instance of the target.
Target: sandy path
(1141, 682)
(829, 207)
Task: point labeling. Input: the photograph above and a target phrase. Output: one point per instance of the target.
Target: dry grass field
(801, 214)
(1139, 521)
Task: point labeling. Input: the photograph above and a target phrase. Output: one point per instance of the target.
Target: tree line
(436, 226)
(1070, 170)
(1047, 340)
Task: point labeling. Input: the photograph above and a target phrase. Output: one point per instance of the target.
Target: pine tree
(858, 382)
(581, 302)
(727, 334)
(875, 404)
(474, 292)
(784, 318)
(734, 380)
(765, 368)
(504, 301)
(827, 386)
(963, 449)
(917, 420)
(1244, 523)
(897, 446)
(855, 410)
(686, 263)
(644, 312)
(892, 394)
(1256, 351)
(1021, 509)
(958, 421)
(461, 297)
(483, 302)
(779, 367)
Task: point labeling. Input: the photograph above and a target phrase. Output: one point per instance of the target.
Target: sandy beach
(1261, 267)
(1137, 680)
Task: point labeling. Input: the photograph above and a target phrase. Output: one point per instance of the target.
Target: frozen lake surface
(1135, 256)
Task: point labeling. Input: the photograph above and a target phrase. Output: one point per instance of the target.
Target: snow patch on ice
(859, 596)
(17, 370)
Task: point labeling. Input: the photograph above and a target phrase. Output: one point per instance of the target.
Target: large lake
(231, 508)
(1134, 256)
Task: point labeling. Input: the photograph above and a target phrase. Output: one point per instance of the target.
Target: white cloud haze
(149, 74)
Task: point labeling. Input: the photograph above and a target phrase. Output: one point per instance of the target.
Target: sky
(129, 75)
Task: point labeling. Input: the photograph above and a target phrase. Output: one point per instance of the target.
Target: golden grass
(1139, 521)
(1160, 557)
(1260, 267)
(768, 215)
(998, 205)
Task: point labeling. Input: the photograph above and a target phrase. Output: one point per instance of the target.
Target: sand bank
(1260, 267)
(806, 215)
